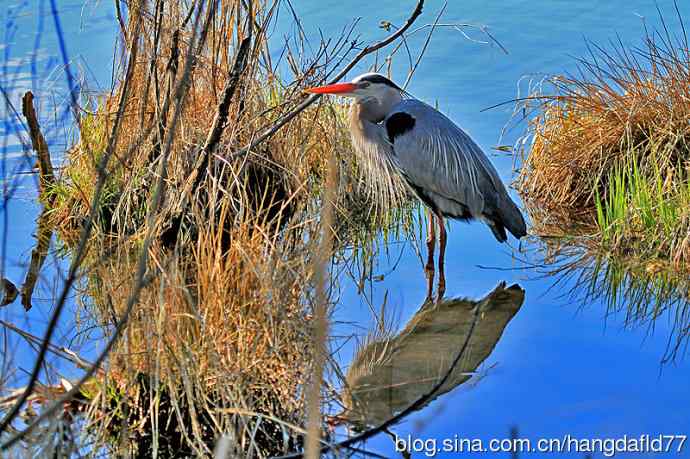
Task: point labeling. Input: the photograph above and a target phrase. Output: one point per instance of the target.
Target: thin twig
(65, 62)
(63, 352)
(313, 98)
(426, 45)
(120, 20)
(142, 279)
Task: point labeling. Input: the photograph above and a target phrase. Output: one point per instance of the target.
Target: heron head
(363, 87)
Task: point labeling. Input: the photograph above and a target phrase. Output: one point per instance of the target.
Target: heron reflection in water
(388, 374)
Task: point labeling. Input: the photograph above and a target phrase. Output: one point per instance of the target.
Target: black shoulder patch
(398, 124)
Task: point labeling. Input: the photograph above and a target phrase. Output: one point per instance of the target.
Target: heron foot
(441, 286)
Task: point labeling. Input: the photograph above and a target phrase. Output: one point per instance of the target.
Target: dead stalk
(45, 165)
(321, 327)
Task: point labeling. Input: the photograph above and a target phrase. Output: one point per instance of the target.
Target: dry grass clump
(287, 162)
(611, 149)
(219, 339)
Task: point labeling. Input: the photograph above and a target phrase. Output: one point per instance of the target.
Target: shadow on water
(44, 233)
(389, 374)
(641, 293)
(43, 236)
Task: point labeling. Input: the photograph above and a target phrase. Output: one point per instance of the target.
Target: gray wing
(448, 170)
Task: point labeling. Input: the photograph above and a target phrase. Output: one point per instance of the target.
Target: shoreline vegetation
(201, 208)
(604, 174)
(607, 161)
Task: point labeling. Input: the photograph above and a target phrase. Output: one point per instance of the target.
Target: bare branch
(120, 20)
(313, 98)
(426, 44)
(63, 352)
(40, 146)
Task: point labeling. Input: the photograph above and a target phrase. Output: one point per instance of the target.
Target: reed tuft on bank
(199, 252)
(609, 156)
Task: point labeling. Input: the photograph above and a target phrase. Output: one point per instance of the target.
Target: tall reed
(610, 148)
(200, 263)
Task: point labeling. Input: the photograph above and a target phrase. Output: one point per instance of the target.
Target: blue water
(31, 60)
(561, 367)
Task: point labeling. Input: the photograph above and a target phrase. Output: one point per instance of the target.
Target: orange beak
(338, 88)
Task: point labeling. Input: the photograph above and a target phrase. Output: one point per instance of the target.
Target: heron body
(439, 161)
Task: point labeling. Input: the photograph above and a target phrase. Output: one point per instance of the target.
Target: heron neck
(375, 110)
(364, 125)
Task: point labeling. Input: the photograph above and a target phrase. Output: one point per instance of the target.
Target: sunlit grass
(645, 213)
(610, 151)
(220, 341)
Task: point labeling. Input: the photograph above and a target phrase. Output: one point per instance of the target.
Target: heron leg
(430, 246)
(441, 257)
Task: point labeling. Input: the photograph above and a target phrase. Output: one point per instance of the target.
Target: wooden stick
(39, 253)
(38, 142)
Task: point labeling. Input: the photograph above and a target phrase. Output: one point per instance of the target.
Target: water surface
(560, 366)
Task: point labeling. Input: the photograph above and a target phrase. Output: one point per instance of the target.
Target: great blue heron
(441, 164)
